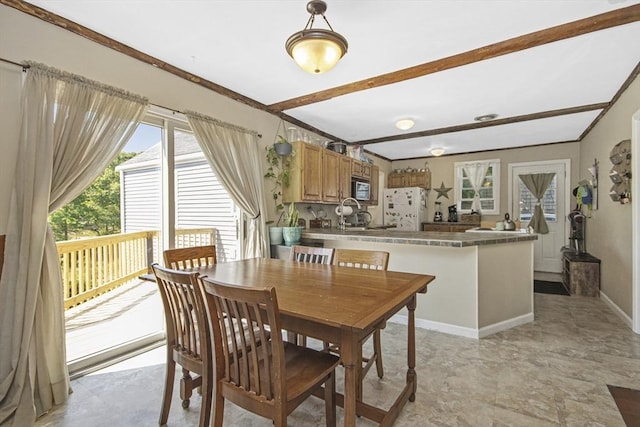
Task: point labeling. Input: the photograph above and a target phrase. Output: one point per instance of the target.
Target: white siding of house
(201, 201)
(141, 208)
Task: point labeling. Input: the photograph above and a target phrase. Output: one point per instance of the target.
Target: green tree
(96, 211)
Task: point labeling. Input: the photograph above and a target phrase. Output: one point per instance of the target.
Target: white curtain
(235, 156)
(71, 129)
(476, 173)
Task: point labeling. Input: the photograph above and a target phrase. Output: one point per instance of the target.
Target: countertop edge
(427, 238)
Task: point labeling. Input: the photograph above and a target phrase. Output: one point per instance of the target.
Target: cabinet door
(374, 186)
(311, 173)
(330, 176)
(395, 180)
(366, 170)
(356, 168)
(345, 178)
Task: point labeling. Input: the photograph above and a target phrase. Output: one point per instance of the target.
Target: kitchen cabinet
(373, 201)
(336, 172)
(448, 227)
(410, 179)
(581, 274)
(361, 169)
(306, 174)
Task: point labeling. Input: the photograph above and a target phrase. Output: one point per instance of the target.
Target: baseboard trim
(506, 324)
(617, 310)
(462, 331)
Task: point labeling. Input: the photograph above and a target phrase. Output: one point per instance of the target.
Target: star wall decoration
(442, 191)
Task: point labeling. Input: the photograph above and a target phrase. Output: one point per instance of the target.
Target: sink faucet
(341, 222)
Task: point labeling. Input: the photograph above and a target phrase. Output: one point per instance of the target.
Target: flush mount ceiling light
(437, 151)
(405, 124)
(316, 50)
(485, 117)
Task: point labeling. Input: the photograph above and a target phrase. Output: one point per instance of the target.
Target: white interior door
(555, 204)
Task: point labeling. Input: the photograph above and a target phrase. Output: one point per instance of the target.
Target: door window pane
(528, 202)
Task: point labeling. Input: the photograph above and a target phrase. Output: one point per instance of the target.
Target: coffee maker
(453, 213)
(438, 215)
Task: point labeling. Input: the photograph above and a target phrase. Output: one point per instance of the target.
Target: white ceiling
(239, 44)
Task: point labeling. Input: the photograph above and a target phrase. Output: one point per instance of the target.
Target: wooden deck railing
(96, 265)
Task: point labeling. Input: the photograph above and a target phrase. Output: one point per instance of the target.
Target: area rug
(544, 287)
(628, 402)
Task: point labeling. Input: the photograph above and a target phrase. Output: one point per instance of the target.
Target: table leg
(411, 349)
(349, 354)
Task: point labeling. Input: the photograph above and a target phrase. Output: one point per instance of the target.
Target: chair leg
(330, 399)
(377, 348)
(218, 406)
(186, 387)
(168, 390)
(207, 394)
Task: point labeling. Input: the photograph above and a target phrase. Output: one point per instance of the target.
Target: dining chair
(254, 368)
(196, 256)
(312, 254)
(188, 343)
(372, 260)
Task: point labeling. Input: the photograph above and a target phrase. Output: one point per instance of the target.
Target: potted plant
(292, 232)
(278, 170)
(279, 166)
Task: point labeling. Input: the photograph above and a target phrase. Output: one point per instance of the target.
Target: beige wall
(609, 228)
(442, 170)
(10, 82)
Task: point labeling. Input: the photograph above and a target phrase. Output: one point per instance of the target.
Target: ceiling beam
(603, 21)
(497, 122)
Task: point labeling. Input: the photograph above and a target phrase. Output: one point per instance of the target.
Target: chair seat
(306, 366)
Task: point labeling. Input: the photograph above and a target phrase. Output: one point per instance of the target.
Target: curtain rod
(17, 64)
(26, 67)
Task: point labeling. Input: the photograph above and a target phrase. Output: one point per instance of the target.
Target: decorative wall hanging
(620, 173)
(442, 191)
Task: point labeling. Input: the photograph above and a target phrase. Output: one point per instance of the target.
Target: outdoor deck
(121, 315)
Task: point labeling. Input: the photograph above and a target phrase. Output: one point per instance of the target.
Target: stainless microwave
(360, 190)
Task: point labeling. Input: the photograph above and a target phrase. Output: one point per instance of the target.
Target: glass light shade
(437, 151)
(316, 51)
(405, 124)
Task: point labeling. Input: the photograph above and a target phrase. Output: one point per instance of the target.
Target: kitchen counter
(427, 238)
(484, 280)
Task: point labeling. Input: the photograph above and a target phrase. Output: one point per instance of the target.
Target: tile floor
(552, 372)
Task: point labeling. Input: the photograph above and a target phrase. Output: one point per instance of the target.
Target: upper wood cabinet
(336, 177)
(374, 186)
(410, 179)
(360, 169)
(306, 175)
(324, 176)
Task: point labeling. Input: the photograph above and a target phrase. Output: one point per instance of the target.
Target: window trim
(495, 165)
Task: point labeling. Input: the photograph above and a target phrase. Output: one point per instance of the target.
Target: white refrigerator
(406, 208)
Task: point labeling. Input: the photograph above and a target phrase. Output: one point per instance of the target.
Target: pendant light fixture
(316, 50)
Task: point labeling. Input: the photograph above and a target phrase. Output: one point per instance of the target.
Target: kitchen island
(484, 281)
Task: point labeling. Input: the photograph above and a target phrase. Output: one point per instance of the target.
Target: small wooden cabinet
(336, 177)
(581, 274)
(449, 227)
(410, 179)
(360, 169)
(305, 176)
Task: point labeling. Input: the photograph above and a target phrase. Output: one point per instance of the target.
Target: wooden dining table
(341, 305)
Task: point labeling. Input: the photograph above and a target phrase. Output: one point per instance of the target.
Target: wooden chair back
(188, 344)
(243, 349)
(372, 260)
(184, 258)
(311, 254)
(251, 358)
